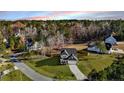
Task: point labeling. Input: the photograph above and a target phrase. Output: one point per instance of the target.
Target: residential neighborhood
(61, 50)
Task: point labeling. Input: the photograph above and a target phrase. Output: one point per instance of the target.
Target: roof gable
(111, 40)
(69, 51)
(64, 52)
(72, 57)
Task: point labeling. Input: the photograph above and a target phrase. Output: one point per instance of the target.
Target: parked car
(14, 60)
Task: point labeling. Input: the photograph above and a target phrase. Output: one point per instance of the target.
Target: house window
(64, 62)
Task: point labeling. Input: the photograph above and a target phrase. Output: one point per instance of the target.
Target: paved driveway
(30, 72)
(78, 74)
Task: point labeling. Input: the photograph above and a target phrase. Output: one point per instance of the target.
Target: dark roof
(64, 52)
(69, 51)
(72, 57)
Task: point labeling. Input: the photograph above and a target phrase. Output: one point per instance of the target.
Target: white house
(36, 46)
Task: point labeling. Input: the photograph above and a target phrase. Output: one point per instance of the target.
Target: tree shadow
(23, 58)
(53, 61)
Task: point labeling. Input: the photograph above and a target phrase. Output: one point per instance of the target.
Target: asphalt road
(30, 72)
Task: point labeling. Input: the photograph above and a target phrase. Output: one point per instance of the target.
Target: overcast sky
(56, 15)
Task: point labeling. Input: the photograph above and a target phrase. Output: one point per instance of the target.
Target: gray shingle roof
(111, 40)
(64, 52)
(69, 51)
(72, 57)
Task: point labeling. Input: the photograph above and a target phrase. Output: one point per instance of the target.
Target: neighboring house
(93, 48)
(68, 56)
(29, 43)
(36, 46)
(109, 43)
(111, 40)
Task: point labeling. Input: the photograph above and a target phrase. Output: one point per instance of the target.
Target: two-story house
(68, 56)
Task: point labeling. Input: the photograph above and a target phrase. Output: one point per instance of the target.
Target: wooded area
(56, 33)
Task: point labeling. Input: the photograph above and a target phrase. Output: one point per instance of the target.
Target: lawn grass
(94, 61)
(50, 67)
(15, 76)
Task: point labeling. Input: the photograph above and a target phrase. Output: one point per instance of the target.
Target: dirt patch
(120, 46)
(77, 46)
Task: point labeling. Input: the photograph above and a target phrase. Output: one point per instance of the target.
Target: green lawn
(15, 76)
(51, 68)
(94, 61)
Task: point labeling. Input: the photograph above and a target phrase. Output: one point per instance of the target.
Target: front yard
(50, 67)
